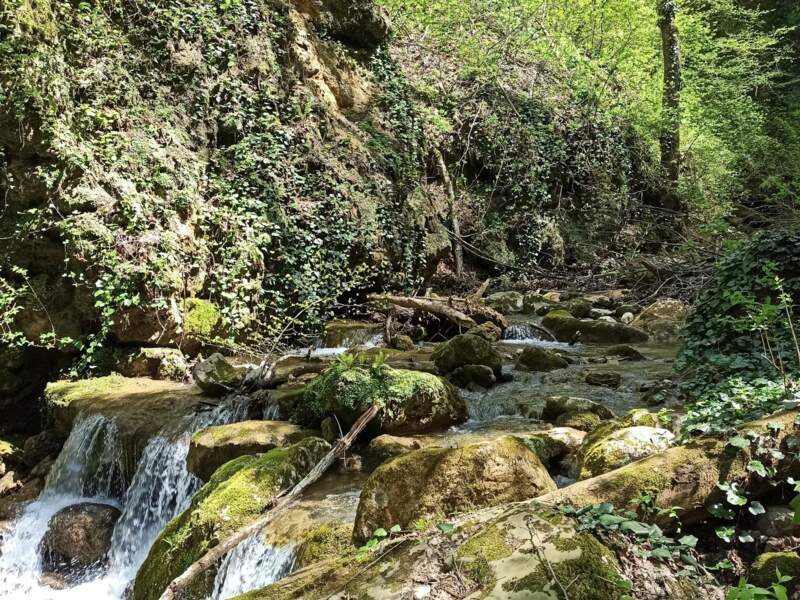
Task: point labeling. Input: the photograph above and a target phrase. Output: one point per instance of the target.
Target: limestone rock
(627, 353)
(505, 302)
(663, 319)
(777, 521)
(539, 360)
(488, 331)
(236, 494)
(472, 375)
(553, 444)
(627, 318)
(565, 327)
(582, 420)
(467, 349)
(385, 447)
(157, 363)
(348, 334)
(414, 401)
(603, 379)
(212, 447)
(622, 447)
(558, 405)
(435, 482)
(77, 540)
(216, 376)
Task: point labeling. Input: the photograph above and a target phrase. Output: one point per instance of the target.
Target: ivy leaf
(661, 552)
(756, 508)
(725, 533)
(746, 537)
(445, 528)
(395, 529)
(757, 467)
(379, 533)
(720, 511)
(688, 540)
(610, 521)
(739, 442)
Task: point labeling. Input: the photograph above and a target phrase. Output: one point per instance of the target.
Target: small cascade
(520, 331)
(90, 468)
(253, 564)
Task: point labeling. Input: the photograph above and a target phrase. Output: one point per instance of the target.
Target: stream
(91, 467)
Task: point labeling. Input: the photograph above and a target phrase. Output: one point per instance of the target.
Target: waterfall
(253, 564)
(90, 468)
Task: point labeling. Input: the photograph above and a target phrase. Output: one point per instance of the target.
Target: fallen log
(685, 476)
(178, 585)
(459, 311)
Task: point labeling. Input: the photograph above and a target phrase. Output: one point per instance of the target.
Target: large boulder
(435, 482)
(663, 319)
(156, 363)
(539, 360)
(622, 447)
(469, 376)
(214, 446)
(505, 302)
(778, 521)
(467, 349)
(413, 401)
(553, 444)
(385, 447)
(236, 494)
(77, 540)
(556, 406)
(348, 334)
(567, 328)
(216, 376)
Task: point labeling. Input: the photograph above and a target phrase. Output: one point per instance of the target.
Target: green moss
(565, 327)
(489, 543)
(322, 542)
(237, 493)
(585, 421)
(762, 571)
(201, 318)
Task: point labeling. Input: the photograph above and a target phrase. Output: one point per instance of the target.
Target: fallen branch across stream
(461, 312)
(280, 503)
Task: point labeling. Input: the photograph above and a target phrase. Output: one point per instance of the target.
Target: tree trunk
(671, 103)
(458, 252)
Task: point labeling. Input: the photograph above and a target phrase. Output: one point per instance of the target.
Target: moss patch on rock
(325, 541)
(237, 493)
(565, 327)
(539, 360)
(762, 571)
(467, 349)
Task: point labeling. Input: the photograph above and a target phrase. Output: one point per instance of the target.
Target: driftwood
(459, 311)
(280, 503)
(684, 476)
(479, 293)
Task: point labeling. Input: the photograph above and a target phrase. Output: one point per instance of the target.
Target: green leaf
(636, 528)
(379, 533)
(688, 540)
(757, 467)
(756, 508)
(661, 552)
(445, 528)
(739, 442)
(746, 537)
(610, 521)
(396, 529)
(725, 533)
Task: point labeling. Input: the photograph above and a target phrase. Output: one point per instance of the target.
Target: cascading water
(253, 564)
(90, 467)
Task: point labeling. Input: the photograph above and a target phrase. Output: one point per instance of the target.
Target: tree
(671, 103)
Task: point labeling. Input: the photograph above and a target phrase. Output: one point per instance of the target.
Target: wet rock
(627, 353)
(627, 318)
(467, 349)
(414, 401)
(435, 482)
(9, 483)
(663, 319)
(606, 319)
(664, 392)
(576, 419)
(505, 302)
(556, 443)
(565, 327)
(762, 571)
(11, 503)
(212, 447)
(237, 493)
(385, 447)
(157, 363)
(553, 297)
(603, 379)
(282, 402)
(403, 342)
(348, 334)
(596, 313)
(77, 540)
(323, 542)
(580, 309)
(488, 331)
(530, 301)
(558, 405)
(777, 521)
(622, 447)
(539, 360)
(216, 376)
(470, 376)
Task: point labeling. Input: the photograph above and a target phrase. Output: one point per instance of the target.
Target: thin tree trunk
(671, 103)
(458, 252)
(216, 554)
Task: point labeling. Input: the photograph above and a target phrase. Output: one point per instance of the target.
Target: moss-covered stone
(763, 570)
(505, 302)
(385, 447)
(156, 363)
(663, 319)
(566, 327)
(434, 482)
(322, 542)
(214, 446)
(10, 455)
(621, 447)
(539, 360)
(201, 318)
(557, 405)
(413, 401)
(488, 331)
(216, 376)
(625, 352)
(403, 343)
(237, 493)
(467, 349)
(348, 334)
(577, 419)
(555, 443)
(472, 375)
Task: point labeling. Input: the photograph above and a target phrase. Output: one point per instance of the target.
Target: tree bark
(463, 312)
(216, 554)
(458, 252)
(671, 102)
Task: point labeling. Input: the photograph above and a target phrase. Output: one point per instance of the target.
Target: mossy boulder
(566, 328)
(385, 447)
(323, 541)
(763, 570)
(778, 521)
(553, 444)
(236, 494)
(434, 482)
(140, 407)
(505, 302)
(579, 419)
(555, 406)
(625, 353)
(156, 363)
(621, 447)
(467, 349)
(603, 379)
(539, 360)
(530, 301)
(663, 319)
(216, 376)
(469, 376)
(214, 446)
(403, 343)
(488, 331)
(348, 334)
(413, 401)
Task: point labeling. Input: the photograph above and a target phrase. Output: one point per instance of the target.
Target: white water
(253, 564)
(90, 468)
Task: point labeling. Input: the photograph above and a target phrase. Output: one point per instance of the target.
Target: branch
(280, 503)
